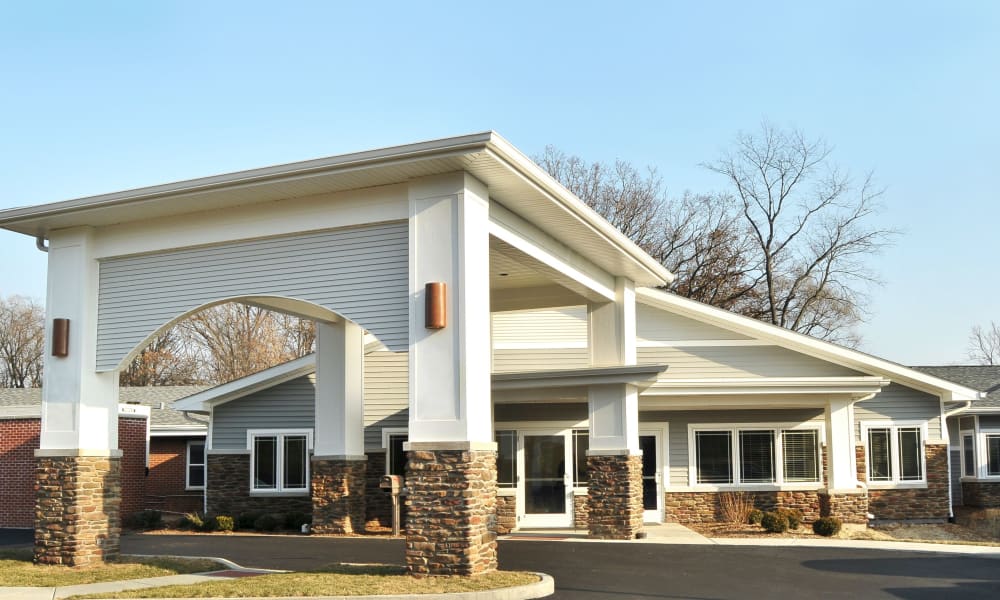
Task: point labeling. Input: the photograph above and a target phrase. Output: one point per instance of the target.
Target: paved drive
(619, 571)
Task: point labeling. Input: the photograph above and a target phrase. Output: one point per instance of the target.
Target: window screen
(295, 460)
(714, 456)
(265, 462)
(801, 455)
(910, 454)
(757, 456)
(196, 465)
(879, 455)
(968, 455)
(993, 455)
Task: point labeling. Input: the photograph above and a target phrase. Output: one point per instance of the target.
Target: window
(993, 454)
(195, 465)
(395, 459)
(754, 455)
(968, 455)
(279, 461)
(895, 453)
(506, 459)
(581, 443)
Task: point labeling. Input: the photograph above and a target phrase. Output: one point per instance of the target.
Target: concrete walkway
(659, 533)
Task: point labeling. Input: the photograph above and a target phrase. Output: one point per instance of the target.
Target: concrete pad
(673, 533)
(27, 593)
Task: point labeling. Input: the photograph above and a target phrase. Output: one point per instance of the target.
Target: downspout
(40, 243)
(944, 427)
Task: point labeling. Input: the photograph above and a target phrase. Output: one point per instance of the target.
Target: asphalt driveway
(619, 571)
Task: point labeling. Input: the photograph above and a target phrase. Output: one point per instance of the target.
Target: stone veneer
(614, 507)
(580, 507)
(981, 494)
(926, 502)
(849, 507)
(704, 507)
(228, 490)
(506, 514)
(77, 521)
(451, 511)
(338, 494)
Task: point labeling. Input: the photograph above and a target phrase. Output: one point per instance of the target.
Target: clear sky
(104, 96)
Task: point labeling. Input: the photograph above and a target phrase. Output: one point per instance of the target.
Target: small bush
(265, 523)
(295, 520)
(224, 523)
(145, 519)
(827, 526)
(192, 521)
(735, 506)
(755, 516)
(793, 515)
(245, 521)
(774, 522)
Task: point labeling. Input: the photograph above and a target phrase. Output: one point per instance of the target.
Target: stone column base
(77, 520)
(849, 507)
(338, 494)
(614, 506)
(451, 510)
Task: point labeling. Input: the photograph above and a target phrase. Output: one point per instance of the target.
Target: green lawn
(17, 570)
(341, 580)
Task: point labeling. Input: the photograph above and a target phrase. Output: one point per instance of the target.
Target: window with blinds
(757, 456)
(801, 455)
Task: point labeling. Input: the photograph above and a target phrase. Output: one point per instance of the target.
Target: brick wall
(981, 494)
(132, 442)
(704, 507)
(168, 476)
(18, 442)
(930, 502)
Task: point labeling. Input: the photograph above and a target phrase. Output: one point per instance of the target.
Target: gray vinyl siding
(654, 324)
(898, 403)
(387, 394)
(287, 405)
(992, 421)
(358, 272)
(738, 361)
(508, 361)
(967, 423)
(678, 429)
(291, 405)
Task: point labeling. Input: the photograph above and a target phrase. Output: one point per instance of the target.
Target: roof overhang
(806, 345)
(268, 378)
(513, 179)
(641, 376)
(855, 388)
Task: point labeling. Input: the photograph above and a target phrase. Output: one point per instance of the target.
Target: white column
(841, 462)
(613, 409)
(79, 405)
(340, 385)
(450, 367)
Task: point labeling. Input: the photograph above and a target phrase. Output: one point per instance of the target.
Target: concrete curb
(544, 587)
(968, 550)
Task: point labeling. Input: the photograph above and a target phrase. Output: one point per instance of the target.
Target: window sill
(277, 494)
(195, 489)
(787, 487)
(506, 491)
(898, 485)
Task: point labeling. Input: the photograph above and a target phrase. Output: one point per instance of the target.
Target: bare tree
(984, 344)
(22, 341)
(788, 244)
(167, 361)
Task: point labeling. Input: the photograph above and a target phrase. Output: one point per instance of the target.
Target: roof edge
(256, 382)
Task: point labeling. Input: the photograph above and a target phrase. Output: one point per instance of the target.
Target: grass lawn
(18, 570)
(341, 580)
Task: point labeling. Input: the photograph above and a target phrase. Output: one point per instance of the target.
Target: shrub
(265, 523)
(224, 523)
(826, 526)
(735, 506)
(246, 520)
(192, 521)
(755, 516)
(774, 522)
(209, 524)
(793, 515)
(145, 519)
(295, 520)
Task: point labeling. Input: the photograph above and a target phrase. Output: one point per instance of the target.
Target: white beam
(613, 410)
(841, 461)
(340, 423)
(612, 328)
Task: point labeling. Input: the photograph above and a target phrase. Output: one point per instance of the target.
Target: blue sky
(100, 97)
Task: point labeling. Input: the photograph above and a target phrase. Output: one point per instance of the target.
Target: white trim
(962, 434)
(238, 388)
(280, 434)
(733, 429)
(802, 343)
(661, 430)
(200, 432)
(984, 463)
(641, 343)
(858, 387)
(894, 427)
(188, 464)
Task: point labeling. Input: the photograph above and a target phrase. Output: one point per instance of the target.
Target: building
(419, 249)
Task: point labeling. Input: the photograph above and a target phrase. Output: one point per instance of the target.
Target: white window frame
(387, 433)
(982, 450)
(280, 459)
(188, 464)
(777, 429)
(975, 457)
(894, 427)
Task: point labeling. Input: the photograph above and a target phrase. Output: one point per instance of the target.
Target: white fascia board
(855, 386)
(31, 411)
(155, 431)
(641, 376)
(262, 380)
(802, 343)
(517, 232)
(556, 192)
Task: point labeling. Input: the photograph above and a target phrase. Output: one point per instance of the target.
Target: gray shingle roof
(985, 378)
(160, 418)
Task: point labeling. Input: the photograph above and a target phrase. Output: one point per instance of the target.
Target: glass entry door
(652, 493)
(547, 493)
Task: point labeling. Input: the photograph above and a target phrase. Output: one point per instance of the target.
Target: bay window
(279, 460)
(754, 455)
(895, 453)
